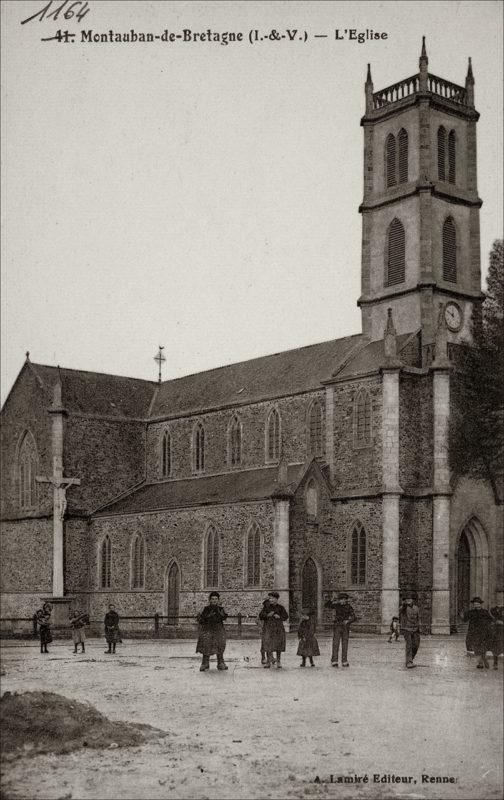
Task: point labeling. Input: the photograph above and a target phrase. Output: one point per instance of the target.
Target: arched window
(138, 563)
(166, 465)
(311, 499)
(390, 161)
(26, 471)
(452, 161)
(396, 253)
(105, 563)
(441, 153)
(363, 419)
(358, 556)
(211, 558)
(316, 429)
(235, 442)
(273, 436)
(449, 250)
(253, 556)
(403, 156)
(199, 448)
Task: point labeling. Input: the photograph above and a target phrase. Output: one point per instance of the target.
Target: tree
(477, 420)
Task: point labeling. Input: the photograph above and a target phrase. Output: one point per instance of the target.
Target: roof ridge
(94, 372)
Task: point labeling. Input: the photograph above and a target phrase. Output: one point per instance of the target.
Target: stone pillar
(441, 499)
(281, 551)
(391, 495)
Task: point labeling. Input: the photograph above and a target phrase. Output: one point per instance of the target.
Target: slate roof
(290, 372)
(370, 357)
(97, 393)
(256, 484)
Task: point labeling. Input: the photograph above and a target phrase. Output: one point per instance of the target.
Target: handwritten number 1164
(47, 12)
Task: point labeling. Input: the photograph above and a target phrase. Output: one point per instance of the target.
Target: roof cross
(160, 358)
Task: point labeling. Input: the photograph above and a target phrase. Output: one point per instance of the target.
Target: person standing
(44, 621)
(274, 616)
(409, 621)
(480, 634)
(394, 630)
(112, 633)
(344, 615)
(77, 621)
(262, 623)
(498, 634)
(308, 645)
(212, 636)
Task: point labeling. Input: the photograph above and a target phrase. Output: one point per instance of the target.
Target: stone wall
(179, 535)
(26, 565)
(294, 436)
(356, 467)
(415, 553)
(415, 431)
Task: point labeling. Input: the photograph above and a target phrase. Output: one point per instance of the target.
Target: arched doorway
(310, 586)
(473, 564)
(173, 593)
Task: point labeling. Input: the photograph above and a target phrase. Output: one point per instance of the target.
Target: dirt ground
(255, 733)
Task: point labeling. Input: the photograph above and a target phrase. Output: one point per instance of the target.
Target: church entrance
(173, 593)
(310, 586)
(472, 563)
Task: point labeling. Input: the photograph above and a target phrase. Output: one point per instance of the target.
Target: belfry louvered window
(358, 556)
(253, 556)
(166, 455)
(235, 442)
(105, 563)
(362, 419)
(199, 448)
(403, 156)
(316, 429)
(211, 558)
(449, 250)
(452, 163)
(441, 153)
(390, 161)
(396, 253)
(138, 563)
(273, 436)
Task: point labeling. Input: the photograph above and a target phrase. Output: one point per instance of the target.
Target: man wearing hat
(480, 633)
(274, 615)
(344, 615)
(409, 621)
(212, 636)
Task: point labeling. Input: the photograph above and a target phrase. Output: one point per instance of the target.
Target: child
(77, 621)
(308, 645)
(274, 615)
(112, 633)
(212, 636)
(394, 629)
(44, 621)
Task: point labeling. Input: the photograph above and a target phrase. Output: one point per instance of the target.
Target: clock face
(453, 316)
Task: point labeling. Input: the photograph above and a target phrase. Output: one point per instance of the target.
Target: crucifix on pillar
(60, 486)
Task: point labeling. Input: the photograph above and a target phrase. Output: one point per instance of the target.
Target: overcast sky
(200, 196)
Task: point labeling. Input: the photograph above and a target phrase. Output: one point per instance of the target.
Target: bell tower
(420, 210)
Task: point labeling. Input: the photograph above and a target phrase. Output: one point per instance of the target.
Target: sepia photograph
(252, 400)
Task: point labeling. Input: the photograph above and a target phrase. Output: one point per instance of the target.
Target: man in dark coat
(212, 636)
(274, 616)
(112, 633)
(44, 620)
(498, 638)
(409, 622)
(344, 615)
(480, 633)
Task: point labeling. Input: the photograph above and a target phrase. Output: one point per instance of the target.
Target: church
(319, 469)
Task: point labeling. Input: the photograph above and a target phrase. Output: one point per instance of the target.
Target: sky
(199, 196)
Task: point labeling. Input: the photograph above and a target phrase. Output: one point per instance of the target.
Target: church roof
(232, 487)
(277, 375)
(97, 393)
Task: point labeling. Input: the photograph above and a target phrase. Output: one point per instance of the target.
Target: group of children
(485, 632)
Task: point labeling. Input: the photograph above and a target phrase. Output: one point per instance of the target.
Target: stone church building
(318, 469)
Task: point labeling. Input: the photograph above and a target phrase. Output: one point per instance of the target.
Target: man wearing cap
(480, 633)
(212, 636)
(344, 615)
(409, 621)
(274, 615)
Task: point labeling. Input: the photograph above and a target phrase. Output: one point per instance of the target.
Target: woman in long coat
(112, 632)
(274, 616)
(44, 621)
(211, 635)
(480, 633)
